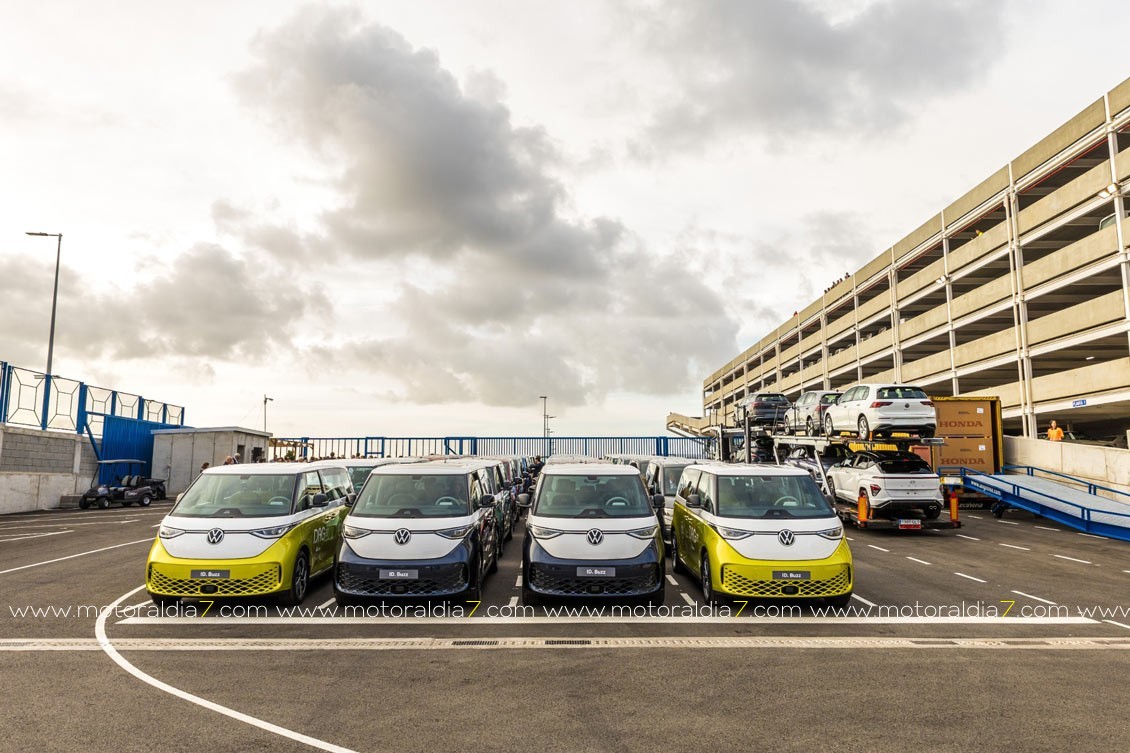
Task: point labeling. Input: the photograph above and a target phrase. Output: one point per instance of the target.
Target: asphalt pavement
(1009, 635)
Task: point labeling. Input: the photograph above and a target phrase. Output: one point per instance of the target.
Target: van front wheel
(299, 582)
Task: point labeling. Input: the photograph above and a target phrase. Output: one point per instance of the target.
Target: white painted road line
(1009, 522)
(687, 598)
(849, 538)
(518, 582)
(915, 559)
(863, 600)
(1064, 557)
(1045, 528)
(963, 575)
(104, 642)
(327, 603)
(626, 620)
(975, 517)
(477, 644)
(1035, 598)
(671, 580)
(4, 529)
(1090, 535)
(881, 549)
(971, 538)
(24, 536)
(1112, 622)
(1014, 546)
(80, 554)
(513, 602)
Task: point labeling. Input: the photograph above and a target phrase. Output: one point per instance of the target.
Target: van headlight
(832, 534)
(273, 532)
(168, 532)
(732, 534)
(538, 532)
(455, 533)
(353, 532)
(644, 533)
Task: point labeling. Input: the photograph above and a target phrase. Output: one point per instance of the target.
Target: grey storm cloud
(527, 299)
(427, 168)
(208, 303)
(781, 69)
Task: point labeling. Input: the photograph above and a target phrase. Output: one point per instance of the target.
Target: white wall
(1108, 466)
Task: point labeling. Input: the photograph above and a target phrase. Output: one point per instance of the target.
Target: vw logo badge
(402, 536)
(595, 536)
(215, 536)
(786, 537)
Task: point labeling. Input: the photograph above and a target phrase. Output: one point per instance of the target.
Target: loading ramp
(1072, 501)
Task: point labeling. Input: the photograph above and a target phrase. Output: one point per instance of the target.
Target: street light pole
(265, 401)
(54, 296)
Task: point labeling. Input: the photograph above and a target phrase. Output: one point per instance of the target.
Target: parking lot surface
(1010, 634)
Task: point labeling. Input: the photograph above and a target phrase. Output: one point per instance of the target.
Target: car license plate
(596, 572)
(209, 574)
(400, 574)
(910, 523)
(792, 575)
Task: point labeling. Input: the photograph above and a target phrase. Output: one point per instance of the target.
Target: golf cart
(125, 484)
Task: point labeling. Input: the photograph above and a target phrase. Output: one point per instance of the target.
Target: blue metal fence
(306, 447)
(47, 401)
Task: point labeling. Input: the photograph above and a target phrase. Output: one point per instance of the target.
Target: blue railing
(47, 401)
(376, 446)
(1052, 507)
(1091, 487)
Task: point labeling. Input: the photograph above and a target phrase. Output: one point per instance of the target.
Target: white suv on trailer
(873, 409)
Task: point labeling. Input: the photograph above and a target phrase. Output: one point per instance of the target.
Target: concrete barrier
(38, 468)
(1107, 466)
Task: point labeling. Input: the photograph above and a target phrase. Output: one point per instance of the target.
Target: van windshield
(216, 495)
(771, 497)
(413, 496)
(671, 479)
(592, 497)
(358, 474)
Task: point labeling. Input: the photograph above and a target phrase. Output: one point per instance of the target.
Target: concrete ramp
(1073, 502)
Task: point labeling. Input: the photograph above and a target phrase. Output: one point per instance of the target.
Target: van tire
(103, 503)
(677, 565)
(299, 581)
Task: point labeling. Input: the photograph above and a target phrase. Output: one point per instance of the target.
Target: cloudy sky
(414, 218)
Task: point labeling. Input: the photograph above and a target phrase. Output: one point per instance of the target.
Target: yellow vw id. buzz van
(250, 530)
(761, 532)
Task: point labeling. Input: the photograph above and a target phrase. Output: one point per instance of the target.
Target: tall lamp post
(545, 422)
(54, 296)
(265, 401)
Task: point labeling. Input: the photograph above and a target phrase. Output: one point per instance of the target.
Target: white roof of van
(587, 469)
(749, 469)
(270, 469)
(434, 467)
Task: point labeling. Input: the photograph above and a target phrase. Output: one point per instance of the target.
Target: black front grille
(562, 581)
(434, 581)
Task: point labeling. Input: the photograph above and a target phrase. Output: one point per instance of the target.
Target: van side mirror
(350, 499)
(523, 500)
(486, 501)
(694, 500)
(657, 501)
(507, 484)
(319, 500)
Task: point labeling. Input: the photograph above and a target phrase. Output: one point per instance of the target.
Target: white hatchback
(869, 410)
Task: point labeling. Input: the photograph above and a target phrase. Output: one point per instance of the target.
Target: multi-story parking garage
(1019, 289)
